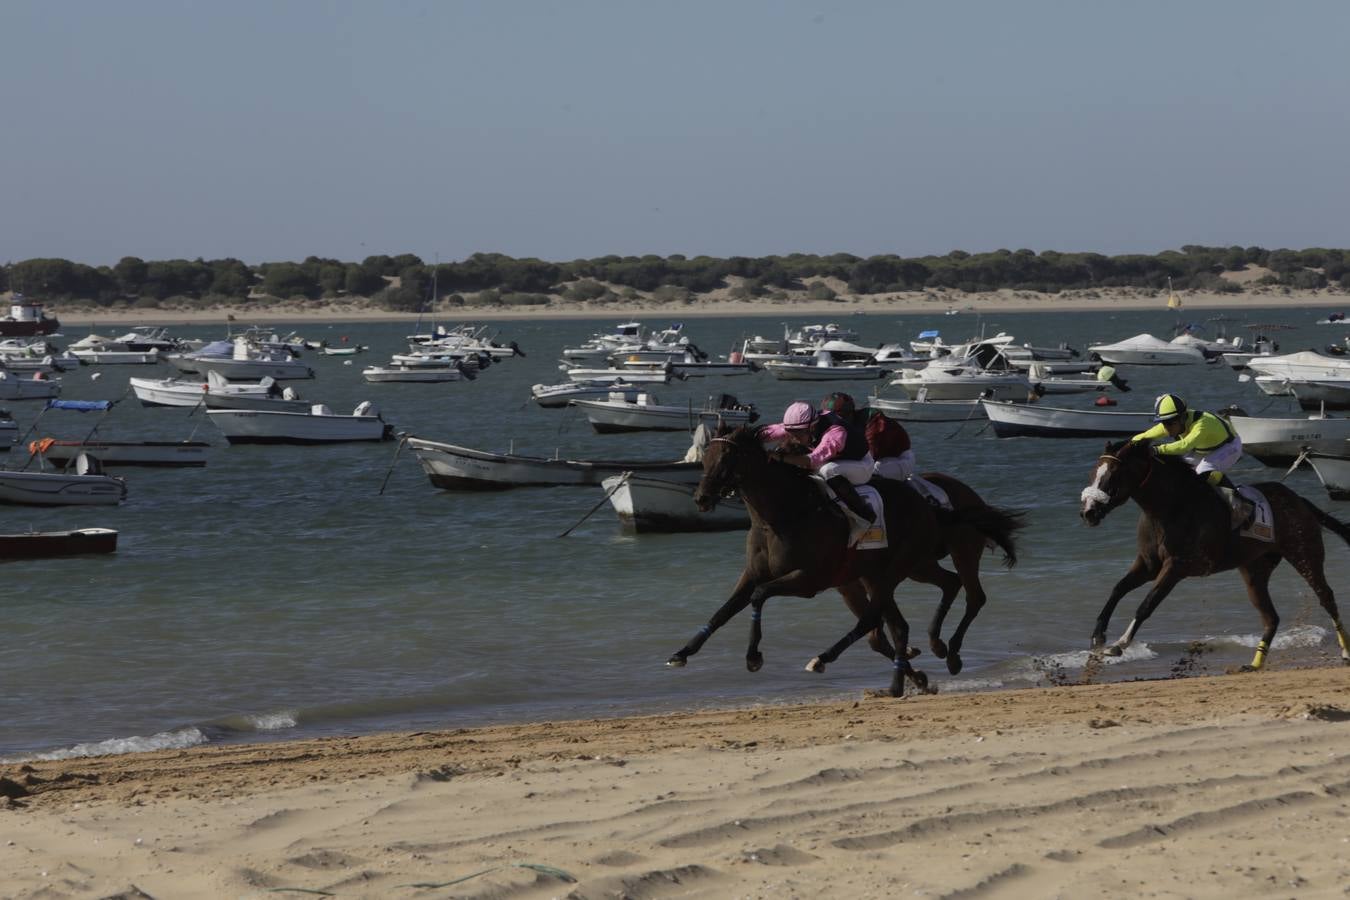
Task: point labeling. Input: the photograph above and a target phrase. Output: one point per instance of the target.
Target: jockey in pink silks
(837, 451)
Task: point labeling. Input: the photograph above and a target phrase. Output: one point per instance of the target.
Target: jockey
(837, 451)
(896, 460)
(1203, 439)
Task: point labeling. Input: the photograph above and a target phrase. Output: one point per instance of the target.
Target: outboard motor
(515, 349)
(466, 372)
(366, 408)
(320, 409)
(289, 393)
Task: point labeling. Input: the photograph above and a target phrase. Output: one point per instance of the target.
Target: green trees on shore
(405, 282)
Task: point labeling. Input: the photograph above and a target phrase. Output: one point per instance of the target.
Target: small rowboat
(1034, 420)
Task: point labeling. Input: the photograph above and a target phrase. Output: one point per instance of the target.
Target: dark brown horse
(1185, 530)
(797, 546)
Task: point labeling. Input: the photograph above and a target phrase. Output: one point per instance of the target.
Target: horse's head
(1120, 469)
(725, 461)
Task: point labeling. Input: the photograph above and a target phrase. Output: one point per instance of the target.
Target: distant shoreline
(904, 304)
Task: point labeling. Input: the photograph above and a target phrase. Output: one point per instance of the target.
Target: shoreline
(907, 304)
(1040, 790)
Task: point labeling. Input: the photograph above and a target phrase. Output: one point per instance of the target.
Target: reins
(1118, 460)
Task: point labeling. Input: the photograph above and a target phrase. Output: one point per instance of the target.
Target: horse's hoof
(754, 663)
(920, 680)
(913, 652)
(815, 665)
(676, 662)
(939, 648)
(954, 664)
(1113, 650)
(1248, 669)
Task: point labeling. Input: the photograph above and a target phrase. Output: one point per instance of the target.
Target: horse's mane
(1174, 465)
(746, 437)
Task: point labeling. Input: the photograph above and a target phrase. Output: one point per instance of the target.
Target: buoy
(95, 377)
(1105, 401)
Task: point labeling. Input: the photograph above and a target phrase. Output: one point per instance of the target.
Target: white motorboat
(168, 391)
(254, 368)
(85, 486)
(1333, 472)
(455, 468)
(343, 351)
(1337, 318)
(647, 504)
(1322, 394)
(415, 374)
(617, 414)
(556, 396)
(1147, 350)
(144, 338)
(287, 401)
(609, 376)
(125, 453)
(117, 357)
(823, 367)
(928, 410)
(12, 387)
(241, 361)
(1302, 366)
(1279, 441)
(318, 426)
(939, 382)
(1046, 383)
(690, 367)
(1035, 420)
(183, 392)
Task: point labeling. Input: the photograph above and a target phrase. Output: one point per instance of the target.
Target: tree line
(406, 282)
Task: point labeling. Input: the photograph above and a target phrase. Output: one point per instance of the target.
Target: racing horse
(798, 546)
(1185, 529)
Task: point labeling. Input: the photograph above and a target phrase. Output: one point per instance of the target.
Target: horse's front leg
(1167, 579)
(1139, 573)
(739, 599)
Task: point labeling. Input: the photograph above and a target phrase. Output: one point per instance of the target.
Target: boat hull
(455, 468)
(245, 426)
(786, 371)
(252, 369)
(1032, 420)
(928, 410)
(132, 453)
(613, 418)
(1334, 473)
(48, 544)
(650, 505)
(1279, 441)
(59, 489)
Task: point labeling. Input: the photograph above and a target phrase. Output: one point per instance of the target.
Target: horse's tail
(995, 524)
(1329, 522)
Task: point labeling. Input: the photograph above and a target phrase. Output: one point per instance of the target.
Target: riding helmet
(840, 404)
(799, 415)
(1168, 407)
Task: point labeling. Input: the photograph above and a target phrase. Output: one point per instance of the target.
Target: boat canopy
(928, 335)
(80, 405)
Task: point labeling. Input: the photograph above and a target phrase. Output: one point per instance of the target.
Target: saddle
(862, 534)
(1250, 511)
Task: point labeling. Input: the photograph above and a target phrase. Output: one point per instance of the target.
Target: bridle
(1120, 462)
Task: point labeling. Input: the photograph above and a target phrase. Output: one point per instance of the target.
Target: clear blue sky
(274, 130)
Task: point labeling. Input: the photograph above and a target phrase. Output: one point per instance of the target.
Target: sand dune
(716, 304)
(1205, 787)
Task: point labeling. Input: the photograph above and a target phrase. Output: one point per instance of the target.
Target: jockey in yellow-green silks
(1203, 439)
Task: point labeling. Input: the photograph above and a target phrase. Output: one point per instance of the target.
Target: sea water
(277, 593)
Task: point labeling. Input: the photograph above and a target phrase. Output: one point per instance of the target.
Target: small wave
(971, 685)
(1300, 636)
(180, 739)
(277, 721)
(1034, 668)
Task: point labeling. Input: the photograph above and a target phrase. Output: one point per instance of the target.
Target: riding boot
(844, 490)
(1237, 507)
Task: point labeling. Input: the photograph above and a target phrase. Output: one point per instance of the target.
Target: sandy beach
(718, 304)
(1219, 786)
